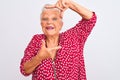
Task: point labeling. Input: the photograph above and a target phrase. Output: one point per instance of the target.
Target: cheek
(43, 24)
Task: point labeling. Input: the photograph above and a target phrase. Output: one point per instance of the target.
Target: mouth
(49, 28)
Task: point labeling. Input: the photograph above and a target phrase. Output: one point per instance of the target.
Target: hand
(61, 4)
(45, 53)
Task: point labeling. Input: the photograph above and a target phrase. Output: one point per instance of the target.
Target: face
(51, 22)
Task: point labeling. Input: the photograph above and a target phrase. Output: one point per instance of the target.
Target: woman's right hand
(62, 5)
(45, 52)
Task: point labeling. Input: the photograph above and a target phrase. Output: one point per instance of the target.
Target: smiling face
(51, 22)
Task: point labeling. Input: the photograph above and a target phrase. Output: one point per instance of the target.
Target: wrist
(38, 57)
(70, 2)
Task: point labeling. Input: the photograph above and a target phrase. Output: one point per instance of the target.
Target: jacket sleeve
(29, 52)
(83, 28)
(79, 34)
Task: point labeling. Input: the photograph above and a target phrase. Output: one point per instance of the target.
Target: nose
(49, 21)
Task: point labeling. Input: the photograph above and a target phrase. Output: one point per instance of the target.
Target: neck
(52, 41)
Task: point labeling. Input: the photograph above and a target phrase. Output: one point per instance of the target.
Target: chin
(52, 34)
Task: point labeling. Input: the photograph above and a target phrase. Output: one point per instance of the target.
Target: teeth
(50, 27)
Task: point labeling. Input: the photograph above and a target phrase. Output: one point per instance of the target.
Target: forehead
(50, 12)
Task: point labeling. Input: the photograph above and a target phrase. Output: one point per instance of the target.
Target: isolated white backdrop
(19, 21)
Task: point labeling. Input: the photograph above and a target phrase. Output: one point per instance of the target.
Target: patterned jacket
(69, 61)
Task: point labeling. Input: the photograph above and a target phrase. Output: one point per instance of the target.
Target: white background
(19, 21)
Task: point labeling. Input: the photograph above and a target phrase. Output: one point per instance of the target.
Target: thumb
(43, 43)
(63, 10)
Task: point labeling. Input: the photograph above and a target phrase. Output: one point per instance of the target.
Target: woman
(54, 55)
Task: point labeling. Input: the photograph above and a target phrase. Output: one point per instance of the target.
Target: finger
(50, 6)
(62, 12)
(56, 48)
(61, 15)
(63, 4)
(59, 6)
(43, 43)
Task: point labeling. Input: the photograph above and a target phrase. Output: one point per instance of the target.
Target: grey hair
(53, 8)
(44, 8)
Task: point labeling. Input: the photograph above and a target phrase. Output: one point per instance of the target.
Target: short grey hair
(44, 8)
(53, 8)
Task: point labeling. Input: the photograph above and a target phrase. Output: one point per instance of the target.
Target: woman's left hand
(62, 5)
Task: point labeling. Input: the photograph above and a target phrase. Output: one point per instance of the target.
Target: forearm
(82, 11)
(30, 66)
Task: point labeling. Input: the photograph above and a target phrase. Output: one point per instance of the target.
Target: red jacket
(69, 61)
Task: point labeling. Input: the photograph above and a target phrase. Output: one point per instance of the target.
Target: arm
(65, 4)
(43, 53)
(82, 11)
(84, 27)
(31, 60)
(30, 66)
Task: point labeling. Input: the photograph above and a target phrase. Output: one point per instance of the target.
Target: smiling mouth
(49, 27)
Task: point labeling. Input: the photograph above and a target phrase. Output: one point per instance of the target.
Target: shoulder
(36, 40)
(38, 36)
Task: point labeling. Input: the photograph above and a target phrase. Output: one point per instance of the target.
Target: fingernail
(43, 40)
(60, 47)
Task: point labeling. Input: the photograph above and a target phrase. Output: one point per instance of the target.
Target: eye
(44, 19)
(54, 19)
